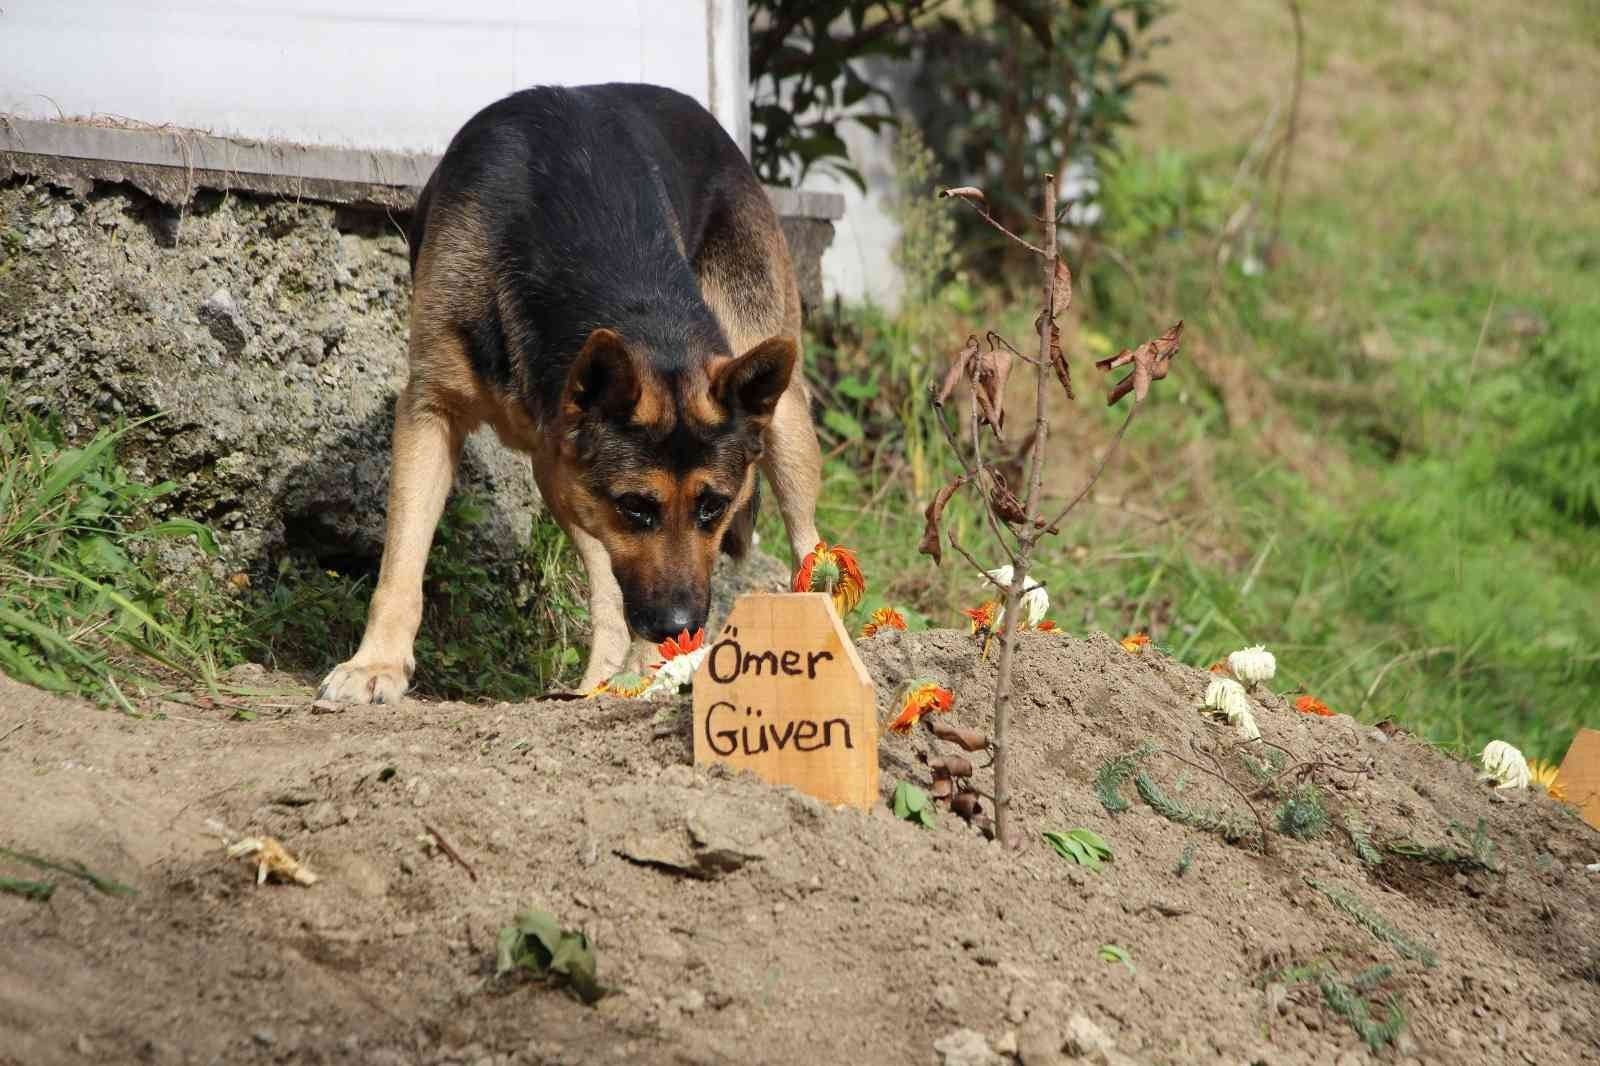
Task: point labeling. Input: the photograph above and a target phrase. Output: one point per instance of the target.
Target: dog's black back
(598, 202)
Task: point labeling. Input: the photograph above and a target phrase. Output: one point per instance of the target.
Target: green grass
(87, 611)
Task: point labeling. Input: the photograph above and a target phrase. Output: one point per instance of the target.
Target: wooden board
(784, 694)
(1579, 776)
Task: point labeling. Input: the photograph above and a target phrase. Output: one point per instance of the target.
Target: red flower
(918, 697)
(1312, 705)
(682, 644)
(883, 618)
(1048, 626)
(982, 615)
(833, 570)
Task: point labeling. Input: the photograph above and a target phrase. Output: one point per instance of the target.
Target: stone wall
(269, 336)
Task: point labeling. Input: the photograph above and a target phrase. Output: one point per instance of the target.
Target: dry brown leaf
(1058, 358)
(990, 372)
(1151, 361)
(930, 543)
(966, 804)
(951, 766)
(1004, 502)
(961, 366)
(941, 789)
(967, 739)
(971, 194)
(1061, 289)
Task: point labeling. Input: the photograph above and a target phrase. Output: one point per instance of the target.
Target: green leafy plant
(38, 891)
(913, 804)
(536, 943)
(84, 610)
(1303, 815)
(1113, 953)
(104, 885)
(1346, 1001)
(496, 630)
(1117, 769)
(1361, 840)
(1083, 846)
(1224, 823)
(1376, 924)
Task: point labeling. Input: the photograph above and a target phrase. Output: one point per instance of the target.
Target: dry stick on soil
(455, 856)
(985, 372)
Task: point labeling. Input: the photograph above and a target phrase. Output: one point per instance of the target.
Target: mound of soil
(736, 922)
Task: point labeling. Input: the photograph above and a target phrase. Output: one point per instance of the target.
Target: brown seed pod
(968, 739)
(951, 766)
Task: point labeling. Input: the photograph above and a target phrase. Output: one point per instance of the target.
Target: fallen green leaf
(1113, 953)
(1083, 846)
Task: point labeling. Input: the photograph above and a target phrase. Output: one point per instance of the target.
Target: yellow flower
(883, 618)
(1134, 642)
(1543, 774)
(833, 570)
(627, 684)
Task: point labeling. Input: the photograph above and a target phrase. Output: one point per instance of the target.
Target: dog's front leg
(427, 445)
(792, 463)
(609, 650)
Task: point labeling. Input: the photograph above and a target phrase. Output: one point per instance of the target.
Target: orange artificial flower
(1220, 667)
(833, 570)
(1134, 642)
(682, 644)
(883, 618)
(1312, 705)
(982, 615)
(917, 698)
(1048, 626)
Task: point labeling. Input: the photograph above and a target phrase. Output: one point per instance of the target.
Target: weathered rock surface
(270, 336)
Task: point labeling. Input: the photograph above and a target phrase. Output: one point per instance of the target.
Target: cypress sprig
(1114, 771)
(1224, 823)
(1376, 924)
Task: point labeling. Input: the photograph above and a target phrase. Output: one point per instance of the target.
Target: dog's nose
(663, 622)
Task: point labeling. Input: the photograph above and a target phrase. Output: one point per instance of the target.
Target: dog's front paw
(367, 682)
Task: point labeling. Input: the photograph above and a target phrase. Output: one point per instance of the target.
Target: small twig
(987, 217)
(444, 846)
(1215, 770)
(1126, 422)
(14, 728)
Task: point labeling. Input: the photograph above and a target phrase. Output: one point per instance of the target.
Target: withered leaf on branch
(1005, 503)
(1061, 288)
(1151, 361)
(962, 365)
(967, 739)
(971, 194)
(951, 766)
(930, 543)
(990, 371)
(966, 804)
(1058, 358)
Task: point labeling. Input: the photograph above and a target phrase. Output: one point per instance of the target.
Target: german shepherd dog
(599, 276)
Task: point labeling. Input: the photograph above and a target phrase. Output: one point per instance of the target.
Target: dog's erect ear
(604, 379)
(750, 385)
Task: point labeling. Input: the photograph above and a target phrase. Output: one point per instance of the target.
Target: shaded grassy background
(1381, 454)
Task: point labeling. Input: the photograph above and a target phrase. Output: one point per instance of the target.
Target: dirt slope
(762, 927)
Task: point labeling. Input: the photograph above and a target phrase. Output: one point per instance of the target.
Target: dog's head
(659, 462)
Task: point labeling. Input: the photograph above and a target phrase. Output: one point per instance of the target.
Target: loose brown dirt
(763, 927)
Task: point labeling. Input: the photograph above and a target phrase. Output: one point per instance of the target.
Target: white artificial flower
(675, 673)
(1253, 664)
(1504, 765)
(1035, 600)
(1227, 697)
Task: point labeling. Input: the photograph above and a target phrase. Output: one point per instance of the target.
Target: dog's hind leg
(427, 445)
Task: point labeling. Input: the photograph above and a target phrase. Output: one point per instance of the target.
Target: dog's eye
(640, 510)
(711, 508)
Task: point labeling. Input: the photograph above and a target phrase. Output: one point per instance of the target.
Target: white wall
(393, 74)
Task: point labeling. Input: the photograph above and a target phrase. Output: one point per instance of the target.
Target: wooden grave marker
(783, 693)
(1579, 776)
